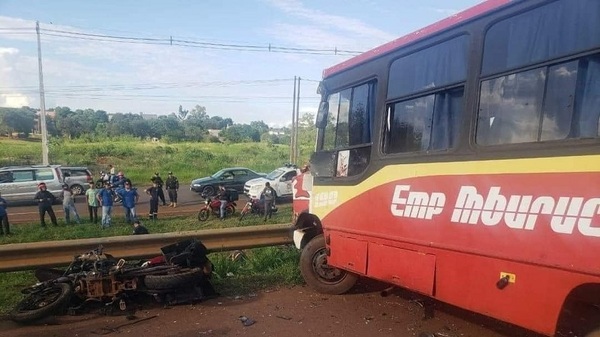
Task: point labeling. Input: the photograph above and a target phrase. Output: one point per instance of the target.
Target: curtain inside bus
(547, 32)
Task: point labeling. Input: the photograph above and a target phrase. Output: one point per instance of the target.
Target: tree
(182, 114)
(20, 120)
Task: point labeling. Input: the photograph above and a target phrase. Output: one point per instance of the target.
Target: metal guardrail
(23, 256)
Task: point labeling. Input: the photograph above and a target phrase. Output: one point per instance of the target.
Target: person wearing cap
(69, 205)
(138, 228)
(172, 185)
(45, 200)
(4, 225)
(105, 199)
(159, 182)
(92, 202)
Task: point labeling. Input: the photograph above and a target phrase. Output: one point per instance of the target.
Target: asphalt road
(188, 203)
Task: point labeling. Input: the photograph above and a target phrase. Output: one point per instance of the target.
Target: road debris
(246, 321)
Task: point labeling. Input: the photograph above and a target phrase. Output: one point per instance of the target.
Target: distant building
(37, 128)
(146, 116)
(277, 132)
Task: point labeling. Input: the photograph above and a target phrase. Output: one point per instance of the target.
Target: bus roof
(437, 27)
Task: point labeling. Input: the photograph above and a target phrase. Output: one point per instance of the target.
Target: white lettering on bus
(420, 205)
(522, 211)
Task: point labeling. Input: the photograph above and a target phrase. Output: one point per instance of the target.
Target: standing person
(111, 172)
(92, 203)
(172, 185)
(45, 200)
(153, 192)
(224, 198)
(4, 225)
(158, 180)
(138, 228)
(130, 197)
(268, 195)
(69, 205)
(105, 198)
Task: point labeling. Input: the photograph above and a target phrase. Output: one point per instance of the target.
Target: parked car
(280, 179)
(77, 178)
(232, 178)
(19, 184)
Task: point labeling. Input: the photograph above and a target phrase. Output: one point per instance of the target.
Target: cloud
(14, 100)
(325, 30)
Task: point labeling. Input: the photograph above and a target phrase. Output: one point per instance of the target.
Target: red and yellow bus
(462, 162)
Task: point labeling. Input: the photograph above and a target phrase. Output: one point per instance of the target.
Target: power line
(150, 86)
(173, 41)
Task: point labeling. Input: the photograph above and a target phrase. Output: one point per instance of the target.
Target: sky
(117, 55)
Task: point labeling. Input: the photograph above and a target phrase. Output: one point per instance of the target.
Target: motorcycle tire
(229, 210)
(43, 303)
(203, 214)
(173, 281)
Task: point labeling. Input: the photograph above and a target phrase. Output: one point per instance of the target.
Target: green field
(140, 159)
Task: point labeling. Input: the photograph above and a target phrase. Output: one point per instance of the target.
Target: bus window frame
(375, 81)
(555, 145)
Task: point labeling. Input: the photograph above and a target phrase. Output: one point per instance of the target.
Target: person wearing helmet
(159, 182)
(69, 205)
(45, 200)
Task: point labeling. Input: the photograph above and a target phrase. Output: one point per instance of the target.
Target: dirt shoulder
(296, 311)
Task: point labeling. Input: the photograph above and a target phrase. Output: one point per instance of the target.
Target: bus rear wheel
(318, 274)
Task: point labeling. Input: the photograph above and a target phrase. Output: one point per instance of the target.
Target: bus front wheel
(318, 274)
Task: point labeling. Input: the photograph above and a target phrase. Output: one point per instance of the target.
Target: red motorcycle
(255, 206)
(213, 206)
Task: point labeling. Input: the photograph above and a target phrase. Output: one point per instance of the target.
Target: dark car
(232, 178)
(77, 178)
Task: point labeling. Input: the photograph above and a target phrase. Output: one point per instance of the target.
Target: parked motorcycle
(180, 274)
(213, 206)
(255, 206)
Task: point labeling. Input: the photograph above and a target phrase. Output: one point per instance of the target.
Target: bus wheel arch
(580, 313)
(311, 226)
(318, 274)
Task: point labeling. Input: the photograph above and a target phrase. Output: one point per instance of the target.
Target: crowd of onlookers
(116, 188)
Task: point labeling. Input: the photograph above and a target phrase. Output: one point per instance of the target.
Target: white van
(19, 184)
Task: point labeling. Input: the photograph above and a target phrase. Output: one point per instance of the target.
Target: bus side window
(557, 102)
(588, 98)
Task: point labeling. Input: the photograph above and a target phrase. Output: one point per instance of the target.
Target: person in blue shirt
(130, 197)
(105, 197)
(4, 225)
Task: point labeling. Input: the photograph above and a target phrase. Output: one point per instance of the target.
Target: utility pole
(292, 140)
(297, 124)
(42, 100)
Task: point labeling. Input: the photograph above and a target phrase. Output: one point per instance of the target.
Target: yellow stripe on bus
(325, 199)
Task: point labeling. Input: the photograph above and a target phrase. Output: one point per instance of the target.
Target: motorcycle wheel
(43, 303)
(244, 211)
(203, 214)
(171, 281)
(229, 210)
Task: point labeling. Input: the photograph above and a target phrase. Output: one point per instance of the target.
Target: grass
(33, 232)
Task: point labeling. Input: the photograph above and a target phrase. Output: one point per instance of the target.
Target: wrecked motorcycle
(181, 274)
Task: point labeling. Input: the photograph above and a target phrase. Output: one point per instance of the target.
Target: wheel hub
(323, 269)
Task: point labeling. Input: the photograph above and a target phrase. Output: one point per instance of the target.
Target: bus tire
(318, 274)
